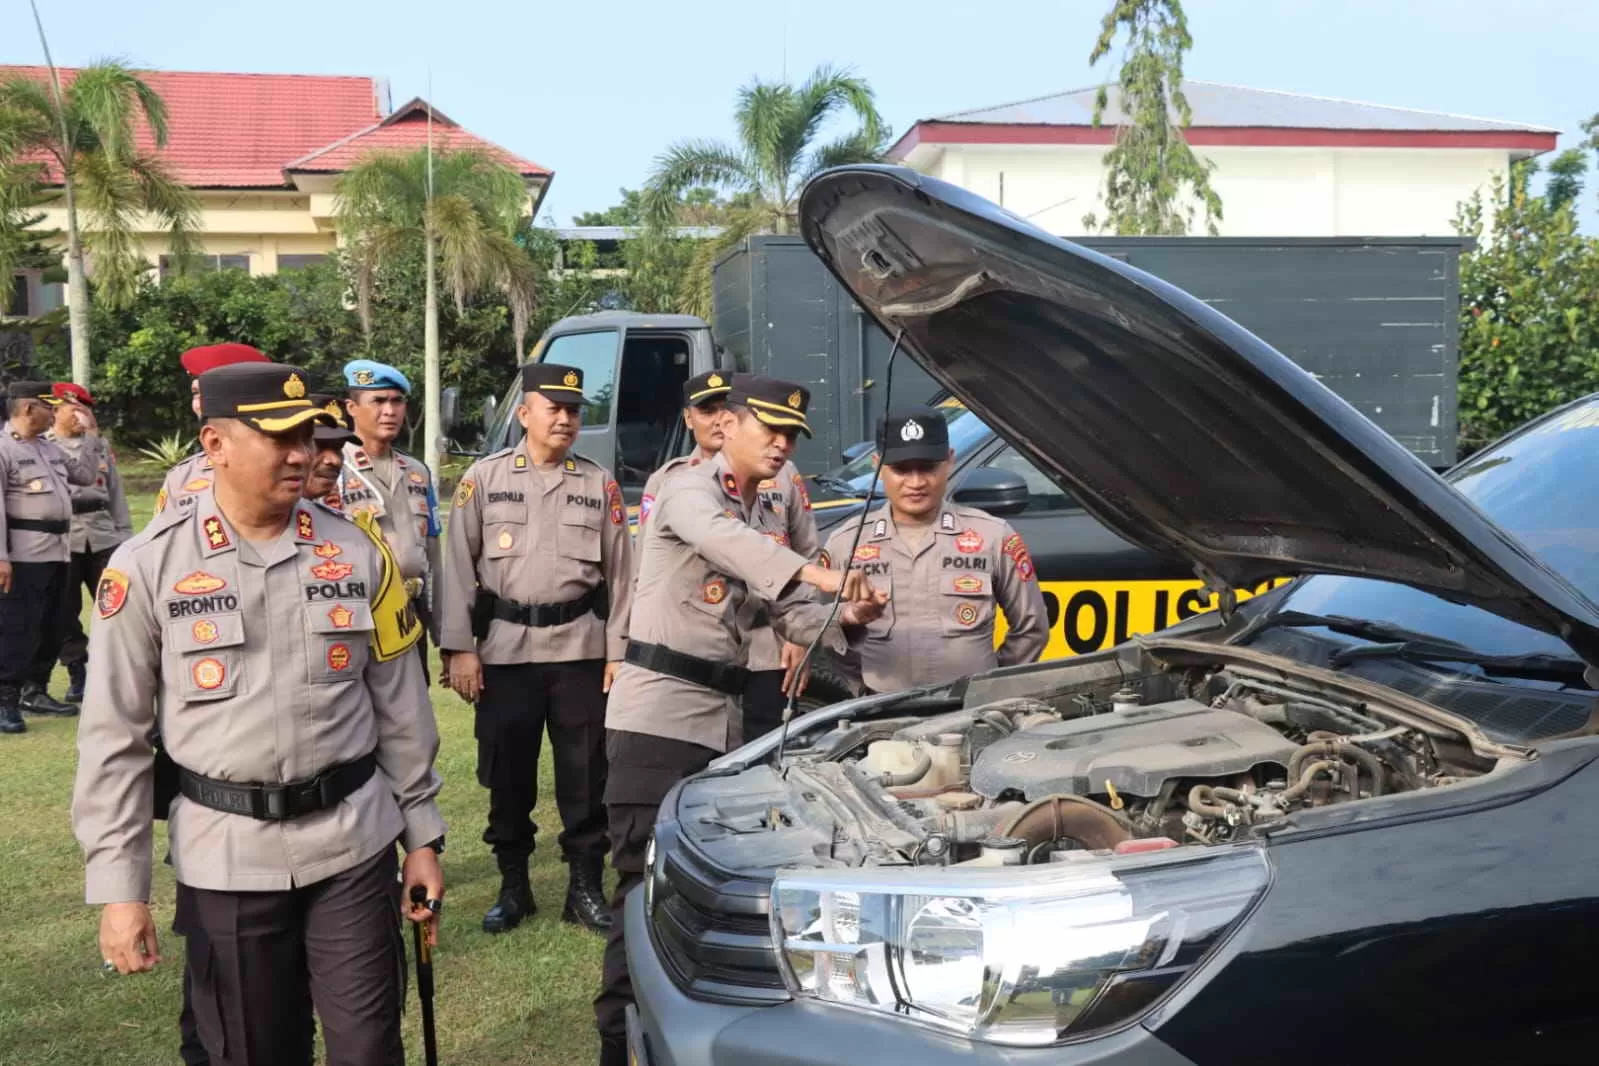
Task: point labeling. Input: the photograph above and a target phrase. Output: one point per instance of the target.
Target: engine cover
(1137, 751)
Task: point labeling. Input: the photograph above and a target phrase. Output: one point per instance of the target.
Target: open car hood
(1169, 422)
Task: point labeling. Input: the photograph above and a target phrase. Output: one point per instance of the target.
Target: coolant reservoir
(890, 757)
(945, 752)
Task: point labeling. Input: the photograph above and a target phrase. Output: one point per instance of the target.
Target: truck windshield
(966, 431)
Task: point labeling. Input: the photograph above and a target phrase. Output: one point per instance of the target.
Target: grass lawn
(519, 998)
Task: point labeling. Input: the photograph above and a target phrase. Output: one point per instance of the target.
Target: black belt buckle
(270, 803)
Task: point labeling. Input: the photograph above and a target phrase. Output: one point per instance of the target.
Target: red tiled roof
(403, 131)
(249, 130)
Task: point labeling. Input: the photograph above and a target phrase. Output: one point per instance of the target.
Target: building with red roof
(263, 153)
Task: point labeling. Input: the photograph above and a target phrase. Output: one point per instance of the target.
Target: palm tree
(462, 213)
(776, 154)
(86, 130)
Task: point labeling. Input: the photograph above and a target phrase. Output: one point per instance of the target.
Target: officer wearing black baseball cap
(950, 566)
(779, 404)
(555, 382)
(268, 397)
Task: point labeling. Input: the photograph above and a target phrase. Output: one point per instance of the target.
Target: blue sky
(595, 91)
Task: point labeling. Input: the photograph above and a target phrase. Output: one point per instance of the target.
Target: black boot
(76, 673)
(10, 717)
(516, 898)
(585, 895)
(36, 699)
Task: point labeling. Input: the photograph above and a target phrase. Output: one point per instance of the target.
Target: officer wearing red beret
(194, 473)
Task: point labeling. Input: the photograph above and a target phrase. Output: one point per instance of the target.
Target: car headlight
(1022, 955)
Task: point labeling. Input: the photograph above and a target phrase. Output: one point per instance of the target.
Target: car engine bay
(1197, 756)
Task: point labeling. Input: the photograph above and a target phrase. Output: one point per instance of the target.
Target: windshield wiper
(1397, 642)
(1338, 623)
(1537, 666)
(840, 486)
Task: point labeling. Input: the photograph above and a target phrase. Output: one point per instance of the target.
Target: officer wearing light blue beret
(392, 489)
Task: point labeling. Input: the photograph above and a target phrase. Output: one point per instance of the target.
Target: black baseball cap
(774, 401)
(706, 388)
(562, 384)
(271, 397)
(911, 435)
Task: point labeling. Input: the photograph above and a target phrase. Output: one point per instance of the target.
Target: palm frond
(763, 111)
(28, 118)
(826, 90)
(105, 102)
(690, 163)
(857, 147)
(695, 295)
(163, 196)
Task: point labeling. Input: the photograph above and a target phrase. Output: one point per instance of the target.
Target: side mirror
(856, 450)
(999, 492)
(449, 403)
(490, 405)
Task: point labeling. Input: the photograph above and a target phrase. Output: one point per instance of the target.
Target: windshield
(1535, 485)
(966, 431)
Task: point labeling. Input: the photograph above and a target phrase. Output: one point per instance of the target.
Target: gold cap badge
(363, 377)
(795, 398)
(333, 411)
(571, 378)
(294, 388)
(714, 381)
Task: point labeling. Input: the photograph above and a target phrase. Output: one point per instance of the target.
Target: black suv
(1342, 822)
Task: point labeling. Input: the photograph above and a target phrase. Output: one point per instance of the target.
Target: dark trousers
(258, 954)
(30, 622)
(83, 572)
(426, 617)
(516, 705)
(643, 771)
(763, 703)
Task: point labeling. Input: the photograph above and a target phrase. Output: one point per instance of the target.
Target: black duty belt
(39, 525)
(488, 607)
(87, 506)
(731, 680)
(279, 802)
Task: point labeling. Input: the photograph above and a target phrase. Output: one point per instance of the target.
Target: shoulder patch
(112, 593)
(463, 491)
(161, 500)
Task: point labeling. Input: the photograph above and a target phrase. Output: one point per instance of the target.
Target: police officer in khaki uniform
(271, 640)
(772, 662)
(393, 488)
(193, 475)
(946, 566)
(714, 551)
(34, 551)
(534, 607)
(100, 521)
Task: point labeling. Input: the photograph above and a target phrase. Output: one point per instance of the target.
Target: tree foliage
(1529, 335)
(90, 141)
(1153, 179)
(302, 317)
(779, 148)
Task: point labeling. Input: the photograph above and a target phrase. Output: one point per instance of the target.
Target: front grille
(711, 931)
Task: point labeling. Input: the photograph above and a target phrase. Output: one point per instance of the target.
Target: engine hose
(1202, 800)
(1341, 751)
(1068, 817)
(924, 763)
(1302, 786)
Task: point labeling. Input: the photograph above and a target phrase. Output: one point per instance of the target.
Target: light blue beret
(366, 374)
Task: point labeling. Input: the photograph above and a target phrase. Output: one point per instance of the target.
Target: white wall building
(1287, 165)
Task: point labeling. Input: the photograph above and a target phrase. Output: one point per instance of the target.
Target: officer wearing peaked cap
(393, 490)
(100, 521)
(535, 599)
(34, 550)
(772, 662)
(272, 642)
(947, 567)
(714, 551)
(194, 473)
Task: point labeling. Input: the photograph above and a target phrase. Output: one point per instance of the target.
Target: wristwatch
(436, 844)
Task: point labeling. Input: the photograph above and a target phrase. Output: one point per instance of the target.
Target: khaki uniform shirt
(183, 482)
(939, 623)
(709, 564)
(536, 536)
(260, 663)
(406, 510)
(38, 485)
(111, 524)
(789, 499)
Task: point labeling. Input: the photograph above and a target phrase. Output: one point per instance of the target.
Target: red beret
(62, 389)
(198, 360)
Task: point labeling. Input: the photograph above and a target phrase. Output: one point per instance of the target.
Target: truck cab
(634, 367)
